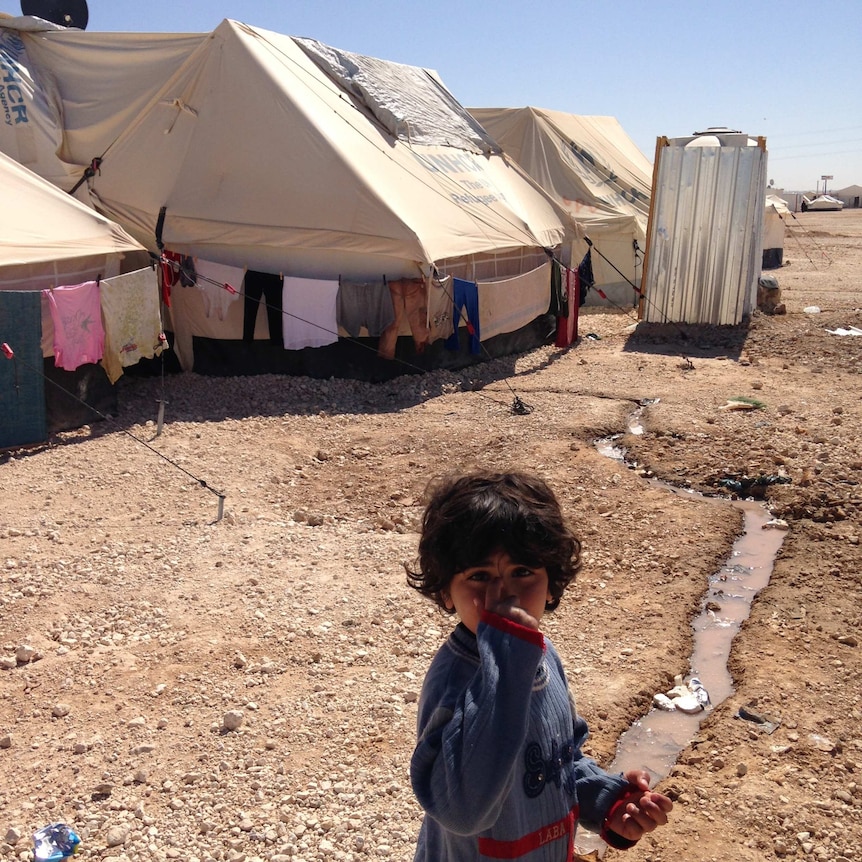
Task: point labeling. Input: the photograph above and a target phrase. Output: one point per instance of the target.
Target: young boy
(498, 766)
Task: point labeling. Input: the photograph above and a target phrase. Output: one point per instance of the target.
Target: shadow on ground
(688, 340)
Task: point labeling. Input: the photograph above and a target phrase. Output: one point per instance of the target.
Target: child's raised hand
(640, 810)
(507, 606)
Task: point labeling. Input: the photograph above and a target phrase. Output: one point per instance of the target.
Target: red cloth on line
(170, 275)
(567, 327)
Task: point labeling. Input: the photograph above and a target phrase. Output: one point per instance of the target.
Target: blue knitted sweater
(498, 766)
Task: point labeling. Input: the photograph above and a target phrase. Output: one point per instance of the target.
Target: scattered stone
(232, 719)
(24, 654)
(117, 836)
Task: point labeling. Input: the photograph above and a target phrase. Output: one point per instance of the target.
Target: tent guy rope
(9, 353)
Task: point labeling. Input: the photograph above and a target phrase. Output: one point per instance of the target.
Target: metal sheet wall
(705, 232)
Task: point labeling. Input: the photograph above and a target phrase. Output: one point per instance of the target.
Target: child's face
(500, 585)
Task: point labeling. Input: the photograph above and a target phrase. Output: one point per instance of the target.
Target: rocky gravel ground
(179, 686)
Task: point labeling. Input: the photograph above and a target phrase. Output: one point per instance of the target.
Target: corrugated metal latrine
(704, 239)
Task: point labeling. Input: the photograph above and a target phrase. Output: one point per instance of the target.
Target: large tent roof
(259, 156)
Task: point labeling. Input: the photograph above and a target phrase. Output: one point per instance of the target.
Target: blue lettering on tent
(11, 95)
(582, 154)
(608, 177)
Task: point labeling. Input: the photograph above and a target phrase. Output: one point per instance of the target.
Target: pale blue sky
(789, 70)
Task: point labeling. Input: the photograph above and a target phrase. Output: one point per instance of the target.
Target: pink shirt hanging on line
(79, 336)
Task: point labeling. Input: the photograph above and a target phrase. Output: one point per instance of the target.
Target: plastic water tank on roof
(720, 136)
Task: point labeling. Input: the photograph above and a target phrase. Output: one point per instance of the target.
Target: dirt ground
(181, 687)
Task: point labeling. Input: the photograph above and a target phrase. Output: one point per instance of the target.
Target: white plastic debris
(690, 698)
(850, 330)
(662, 701)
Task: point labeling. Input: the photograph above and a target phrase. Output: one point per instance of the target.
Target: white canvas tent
(591, 167)
(248, 148)
(261, 158)
(48, 239)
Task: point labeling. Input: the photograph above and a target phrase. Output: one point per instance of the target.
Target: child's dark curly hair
(470, 517)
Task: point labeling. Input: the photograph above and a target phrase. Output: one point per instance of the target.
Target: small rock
(60, 710)
(25, 654)
(848, 640)
(13, 835)
(116, 836)
(232, 719)
(741, 769)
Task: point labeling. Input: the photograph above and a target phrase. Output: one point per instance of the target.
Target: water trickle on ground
(654, 741)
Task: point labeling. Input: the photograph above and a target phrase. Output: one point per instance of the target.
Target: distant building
(851, 196)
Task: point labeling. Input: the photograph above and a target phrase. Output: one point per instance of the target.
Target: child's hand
(642, 810)
(507, 607)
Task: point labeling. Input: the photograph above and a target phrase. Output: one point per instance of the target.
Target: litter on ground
(690, 697)
(766, 723)
(850, 330)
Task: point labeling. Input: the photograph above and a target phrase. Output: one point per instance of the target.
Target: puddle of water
(654, 742)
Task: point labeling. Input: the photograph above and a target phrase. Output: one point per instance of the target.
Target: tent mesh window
(487, 267)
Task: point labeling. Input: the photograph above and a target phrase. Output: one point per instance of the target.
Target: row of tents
(249, 152)
(280, 154)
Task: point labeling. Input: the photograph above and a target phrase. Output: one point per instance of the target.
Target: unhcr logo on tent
(11, 94)
(451, 164)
